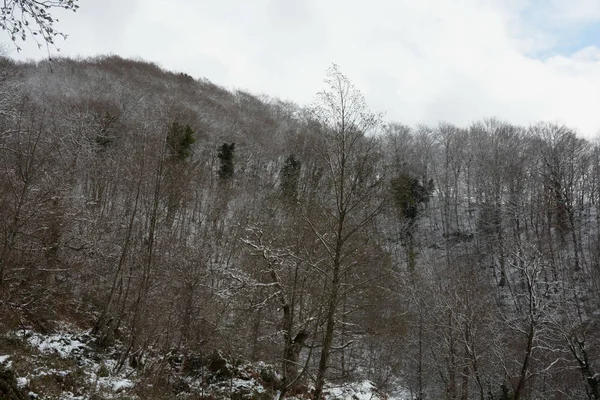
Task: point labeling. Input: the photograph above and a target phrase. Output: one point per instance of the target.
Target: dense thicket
(178, 217)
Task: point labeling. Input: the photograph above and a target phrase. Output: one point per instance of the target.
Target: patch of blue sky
(564, 36)
(570, 39)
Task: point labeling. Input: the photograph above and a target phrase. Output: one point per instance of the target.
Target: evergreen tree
(180, 139)
(410, 195)
(290, 175)
(226, 156)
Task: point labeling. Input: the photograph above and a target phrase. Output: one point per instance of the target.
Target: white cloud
(419, 61)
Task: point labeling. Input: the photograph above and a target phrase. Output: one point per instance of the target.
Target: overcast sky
(418, 61)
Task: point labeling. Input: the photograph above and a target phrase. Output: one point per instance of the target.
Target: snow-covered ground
(80, 366)
(364, 390)
(65, 366)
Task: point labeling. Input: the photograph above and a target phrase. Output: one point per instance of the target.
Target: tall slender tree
(350, 153)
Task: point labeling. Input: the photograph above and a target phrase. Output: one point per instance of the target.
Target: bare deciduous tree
(352, 196)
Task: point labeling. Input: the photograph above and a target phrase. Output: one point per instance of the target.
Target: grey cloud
(418, 61)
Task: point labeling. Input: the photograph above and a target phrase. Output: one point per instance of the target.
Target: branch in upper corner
(24, 19)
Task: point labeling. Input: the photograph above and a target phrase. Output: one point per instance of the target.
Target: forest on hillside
(176, 217)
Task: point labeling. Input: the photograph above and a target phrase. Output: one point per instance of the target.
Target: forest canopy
(173, 216)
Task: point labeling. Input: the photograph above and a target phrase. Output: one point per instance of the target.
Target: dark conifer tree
(180, 139)
(290, 175)
(410, 196)
(226, 156)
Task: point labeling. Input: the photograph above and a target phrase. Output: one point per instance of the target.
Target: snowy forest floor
(69, 366)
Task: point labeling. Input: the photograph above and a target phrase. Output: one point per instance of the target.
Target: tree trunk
(329, 329)
(525, 368)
